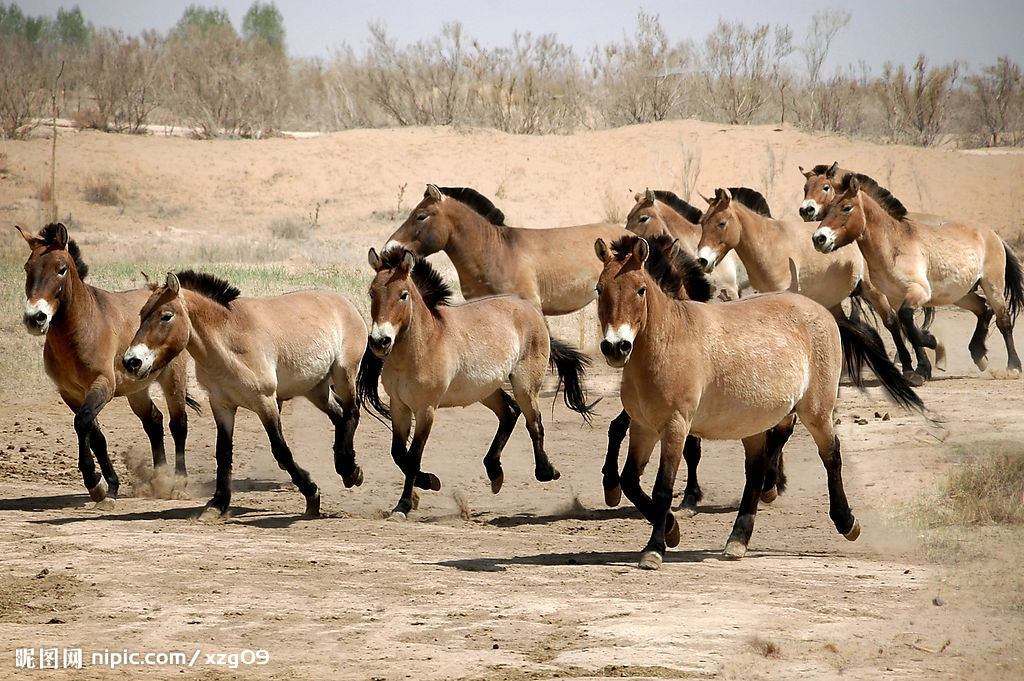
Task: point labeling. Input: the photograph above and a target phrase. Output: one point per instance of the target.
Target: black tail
(571, 365)
(193, 403)
(368, 385)
(1014, 284)
(861, 344)
(929, 317)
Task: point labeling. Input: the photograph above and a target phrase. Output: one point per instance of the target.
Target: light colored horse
(255, 353)
(662, 212)
(550, 268)
(820, 184)
(917, 266)
(87, 330)
(726, 371)
(430, 354)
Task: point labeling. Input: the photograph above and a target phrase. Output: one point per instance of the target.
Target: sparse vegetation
(103, 190)
(986, 486)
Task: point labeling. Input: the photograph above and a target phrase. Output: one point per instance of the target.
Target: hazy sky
(975, 32)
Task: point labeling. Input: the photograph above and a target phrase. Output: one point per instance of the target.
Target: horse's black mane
(477, 201)
(676, 273)
(752, 199)
(212, 287)
(821, 169)
(883, 196)
(691, 213)
(434, 291)
(48, 235)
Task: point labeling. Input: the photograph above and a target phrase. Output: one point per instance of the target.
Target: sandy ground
(539, 581)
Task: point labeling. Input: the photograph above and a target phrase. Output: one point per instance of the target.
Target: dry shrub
(766, 647)
(102, 190)
(986, 487)
(290, 229)
(23, 86)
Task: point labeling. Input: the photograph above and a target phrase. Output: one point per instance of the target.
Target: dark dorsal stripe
(880, 194)
(675, 272)
(214, 288)
(477, 201)
(48, 235)
(751, 199)
(691, 213)
(429, 282)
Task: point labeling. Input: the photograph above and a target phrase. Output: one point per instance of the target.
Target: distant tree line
(209, 78)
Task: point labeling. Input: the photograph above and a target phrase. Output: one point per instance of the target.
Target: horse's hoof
(915, 379)
(355, 479)
(854, 531)
(496, 482)
(769, 495)
(435, 482)
(397, 517)
(672, 536)
(650, 560)
(178, 487)
(940, 356)
(210, 514)
(313, 505)
(981, 363)
(734, 549)
(99, 492)
(547, 475)
(686, 510)
(281, 466)
(613, 496)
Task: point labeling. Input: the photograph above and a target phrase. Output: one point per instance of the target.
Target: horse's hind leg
(693, 493)
(271, 418)
(152, 422)
(526, 398)
(754, 449)
(819, 423)
(224, 417)
(173, 384)
(775, 472)
(993, 288)
(617, 430)
(504, 407)
(981, 309)
(344, 415)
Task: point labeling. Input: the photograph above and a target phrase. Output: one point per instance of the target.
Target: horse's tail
(929, 317)
(368, 385)
(193, 403)
(571, 365)
(1014, 283)
(862, 345)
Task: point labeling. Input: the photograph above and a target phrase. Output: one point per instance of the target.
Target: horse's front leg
(617, 430)
(665, 530)
(891, 322)
(90, 440)
(916, 297)
(756, 463)
(152, 422)
(413, 475)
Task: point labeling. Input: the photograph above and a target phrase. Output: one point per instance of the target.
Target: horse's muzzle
(822, 242)
(617, 353)
(807, 213)
(37, 324)
(380, 346)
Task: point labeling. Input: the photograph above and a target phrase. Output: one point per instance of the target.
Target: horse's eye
(598, 290)
(642, 291)
(405, 294)
(826, 188)
(644, 218)
(62, 270)
(421, 217)
(721, 225)
(848, 209)
(167, 316)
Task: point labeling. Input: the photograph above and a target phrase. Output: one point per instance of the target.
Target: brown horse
(430, 354)
(256, 353)
(726, 371)
(917, 266)
(820, 184)
(87, 330)
(550, 268)
(661, 212)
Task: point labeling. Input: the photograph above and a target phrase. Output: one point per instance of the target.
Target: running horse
(430, 354)
(87, 329)
(255, 353)
(726, 371)
(919, 266)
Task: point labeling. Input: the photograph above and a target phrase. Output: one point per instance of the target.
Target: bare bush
(24, 88)
(122, 77)
(917, 102)
(102, 190)
(998, 103)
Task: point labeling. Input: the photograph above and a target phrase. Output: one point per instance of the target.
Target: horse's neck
(665, 316)
(421, 336)
(765, 273)
(207, 319)
(478, 248)
(879, 232)
(78, 321)
(679, 227)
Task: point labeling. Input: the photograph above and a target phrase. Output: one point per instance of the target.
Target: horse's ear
(649, 195)
(806, 173)
(172, 283)
(641, 249)
(29, 238)
(434, 193)
(373, 259)
(710, 201)
(601, 248)
(637, 197)
(723, 195)
(60, 237)
(854, 184)
(832, 170)
(408, 261)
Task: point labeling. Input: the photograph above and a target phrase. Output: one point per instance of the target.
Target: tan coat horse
(430, 354)
(660, 212)
(255, 353)
(727, 371)
(551, 268)
(87, 330)
(917, 266)
(820, 184)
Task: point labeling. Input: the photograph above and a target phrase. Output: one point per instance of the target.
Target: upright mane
(48, 235)
(821, 169)
(752, 199)
(676, 273)
(477, 201)
(691, 213)
(207, 285)
(880, 194)
(429, 282)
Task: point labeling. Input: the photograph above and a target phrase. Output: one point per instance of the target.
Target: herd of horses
(698, 360)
